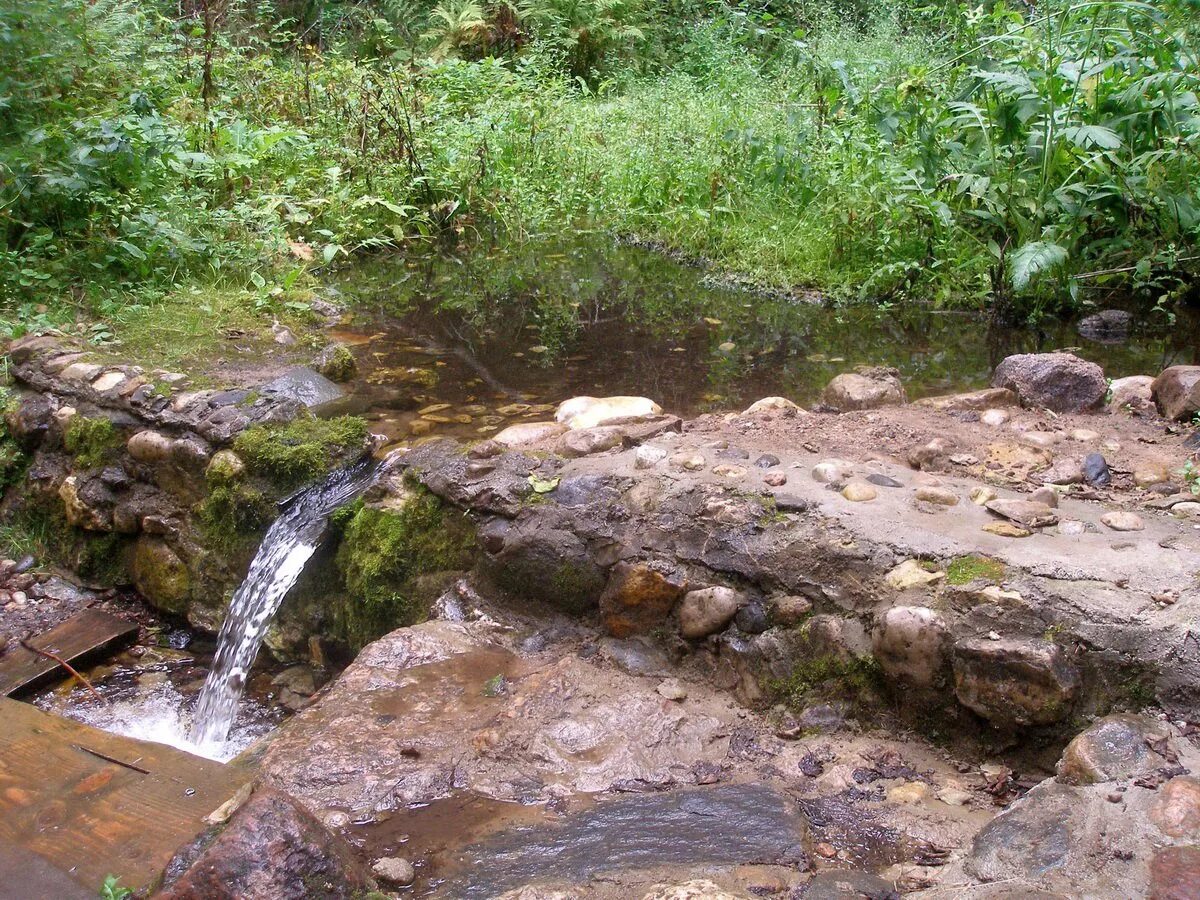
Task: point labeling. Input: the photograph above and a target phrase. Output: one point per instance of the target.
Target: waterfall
(287, 546)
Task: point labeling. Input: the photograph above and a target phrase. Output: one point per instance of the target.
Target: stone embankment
(626, 602)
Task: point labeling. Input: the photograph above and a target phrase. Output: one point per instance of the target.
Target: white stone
(587, 412)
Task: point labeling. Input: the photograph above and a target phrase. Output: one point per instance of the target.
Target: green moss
(13, 460)
(300, 451)
(338, 363)
(830, 676)
(233, 516)
(382, 555)
(45, 534)
(965, 569)
(93, 442)
(103, 559)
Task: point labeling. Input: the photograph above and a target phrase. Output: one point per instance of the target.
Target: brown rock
(638, 598)
(1132, 395)
(1175, 874)
(1026, 513)
(1061, 382)
(271, 849)
(867, 387)
(1015, 682)
(526, 434)
(1176, 809)
(1114, 747)
(708, 611)
(586, 441)
(1176, 392)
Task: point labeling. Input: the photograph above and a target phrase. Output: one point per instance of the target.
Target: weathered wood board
(88, 817)
(83, 635)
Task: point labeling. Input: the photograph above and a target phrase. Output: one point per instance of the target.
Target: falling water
(287, 546)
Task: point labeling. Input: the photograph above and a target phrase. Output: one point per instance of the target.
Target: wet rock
(1061, 382)
(271, 849)
(824, 718)
(638, 598)
(1026, 513)
(771, 404)
(708, 611)
(1176, 392)
(304, 386)
(528, 434)
(859, 492)
(160, 575)
(488, 449)
(767, 461)
(883, 480)
(867, 387)
(911, 574)
(1107, 326)
(1131, 395)
(587, 412)
(775, 479)
(337, 363)
(586, 441)
(225, 466)
(149, 447)
(87, 504)
(1095, 470)
(1015, 682)
(911, 644)
(1114, 747)
(696, 889)
(29, 421)
(910, 792)
(1122, 520)
(752, 618)
(1063, 471)
(849, 884)
(394, 870)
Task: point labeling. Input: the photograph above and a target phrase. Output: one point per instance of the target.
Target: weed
(965, 569)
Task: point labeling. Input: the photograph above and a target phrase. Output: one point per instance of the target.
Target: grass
(187, 327)
(965, 569)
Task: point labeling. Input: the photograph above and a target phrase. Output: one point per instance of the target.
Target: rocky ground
(942, 648)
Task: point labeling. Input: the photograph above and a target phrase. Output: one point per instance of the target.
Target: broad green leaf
(1088, 136)
(1032, 259)
(542, 485)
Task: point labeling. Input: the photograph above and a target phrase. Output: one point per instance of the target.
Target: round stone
(859, 492)
(1122, 520)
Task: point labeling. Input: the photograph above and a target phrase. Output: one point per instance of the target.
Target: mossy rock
(92, 442)
(337, 363)
(300, 451)
(160, 575)
(13, 460)
(383, 556)
(857, 679)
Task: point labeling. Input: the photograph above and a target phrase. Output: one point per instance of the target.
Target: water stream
(287, 546)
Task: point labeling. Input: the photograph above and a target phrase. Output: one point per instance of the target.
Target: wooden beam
(65, 800)
(84, 636)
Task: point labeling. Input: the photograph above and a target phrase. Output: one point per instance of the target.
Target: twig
(66, 665)
(111, 759)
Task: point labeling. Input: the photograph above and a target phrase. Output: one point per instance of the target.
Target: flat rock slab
(85, 634)
(65, 800)
(724, 826)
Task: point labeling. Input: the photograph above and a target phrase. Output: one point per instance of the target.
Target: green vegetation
(382, 555)
(93, 442)
(111, 889)
(857, 678)
(300, 451)
(158, 163)
(965, 569)
(12, 458)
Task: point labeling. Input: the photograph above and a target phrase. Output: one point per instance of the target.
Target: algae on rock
(302, 450)
(383, 553)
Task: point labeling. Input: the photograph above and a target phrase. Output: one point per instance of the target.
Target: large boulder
(1114, 747)
(588, 412)
(1014, 682)
(1061, 382)
(270, 849)
(160, 575)
(528, 434)
(867, 387)
(302, 384)
(1176, 391)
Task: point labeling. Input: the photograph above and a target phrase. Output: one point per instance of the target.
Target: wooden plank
(85, 635)
(89, 817)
